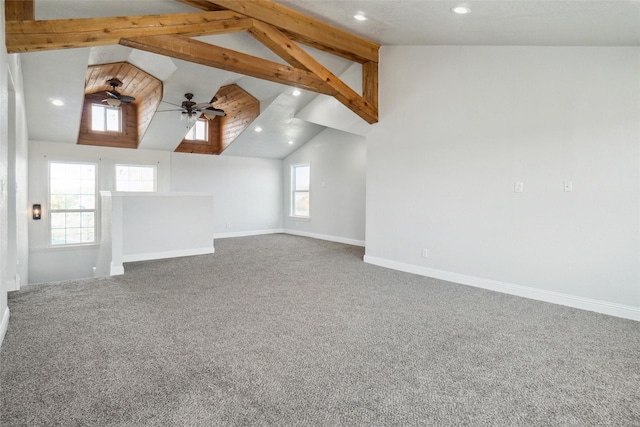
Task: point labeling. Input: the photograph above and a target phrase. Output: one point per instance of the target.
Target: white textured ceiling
(493, 22)
(60, 74)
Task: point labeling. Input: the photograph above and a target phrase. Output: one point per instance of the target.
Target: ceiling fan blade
(127, 99)
(112, 94)
(202, 106)
(214, 111)
(171, 103)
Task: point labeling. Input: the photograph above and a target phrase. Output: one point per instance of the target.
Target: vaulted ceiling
(174, 43)
(285, 118)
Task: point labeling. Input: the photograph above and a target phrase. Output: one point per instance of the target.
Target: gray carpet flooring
(284, 330)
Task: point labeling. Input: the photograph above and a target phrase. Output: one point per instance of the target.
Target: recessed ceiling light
(290, 142)
(296, 92)
(57, 103)
(359, 17)
(258, 129)
(460, 10)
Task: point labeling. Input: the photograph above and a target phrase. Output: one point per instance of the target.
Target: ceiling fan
(115, 98)
(191, 111)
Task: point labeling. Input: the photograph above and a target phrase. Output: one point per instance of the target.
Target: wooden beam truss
(277, 27)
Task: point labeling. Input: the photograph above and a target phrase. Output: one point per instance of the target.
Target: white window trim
(106, 107)
(193, 128)
(96, 209)
(292, 192)
(155, 175)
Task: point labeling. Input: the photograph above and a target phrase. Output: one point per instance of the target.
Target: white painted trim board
(4, 324)
(589, 304)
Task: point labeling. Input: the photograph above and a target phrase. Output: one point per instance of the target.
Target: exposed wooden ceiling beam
(274, 25)
(30, 36)
(201, 4)
(305, 29)
(19, 10)
(284, 47)
(370, 83)
(202, 53)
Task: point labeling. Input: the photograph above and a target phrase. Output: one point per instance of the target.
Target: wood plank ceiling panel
(135, 82)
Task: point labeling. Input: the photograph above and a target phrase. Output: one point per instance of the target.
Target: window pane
(97, 117)
(88, 172)
(87, 235)
(57, 170)
(73, 172)
(73, 235)
(201, 130)
(73, 219)
(302, 178)
(58, 236)
(147, 186)
(57, 186)
(301, 204)
(87, 202)
(135, 178)
(72, 201)
(122, 173)
(72, 187)
(135, 173)
(135, 186)
(87, 187)
(147, 174)
(113, 119)
(87, 219)
(57, 220)
(57, 202)
(191, 134)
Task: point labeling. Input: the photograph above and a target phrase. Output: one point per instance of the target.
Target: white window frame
(52, 211)
(106, 108)
(192, 136)
(155, 176)
(294, 191)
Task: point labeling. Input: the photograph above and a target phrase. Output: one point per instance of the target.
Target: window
(135, 178)
(198, 131)
(72, 203)
(300, 177)
(105, 118)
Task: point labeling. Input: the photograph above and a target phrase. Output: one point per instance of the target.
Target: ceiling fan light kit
(114, 98)
(113, 102)
(190, 111)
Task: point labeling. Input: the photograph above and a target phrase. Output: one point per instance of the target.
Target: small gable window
(199, 131)
(105, 118)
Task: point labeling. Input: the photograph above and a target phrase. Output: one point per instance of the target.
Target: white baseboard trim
(167, 254)
(598, 306)
(116, 270)
(4, 324)
(337, 239)
(246, 233)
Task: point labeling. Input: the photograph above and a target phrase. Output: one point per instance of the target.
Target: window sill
(299, 218)
(79, 247)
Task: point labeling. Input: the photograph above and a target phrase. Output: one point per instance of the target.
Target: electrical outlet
(425, 253)
(568, 186)
(518, 187)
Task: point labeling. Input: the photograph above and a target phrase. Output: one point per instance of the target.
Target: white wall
(64, 263)
(247, 192)
(18, 214)
(338, 172)
(144, 226)
(4, 119)
(459, 125)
